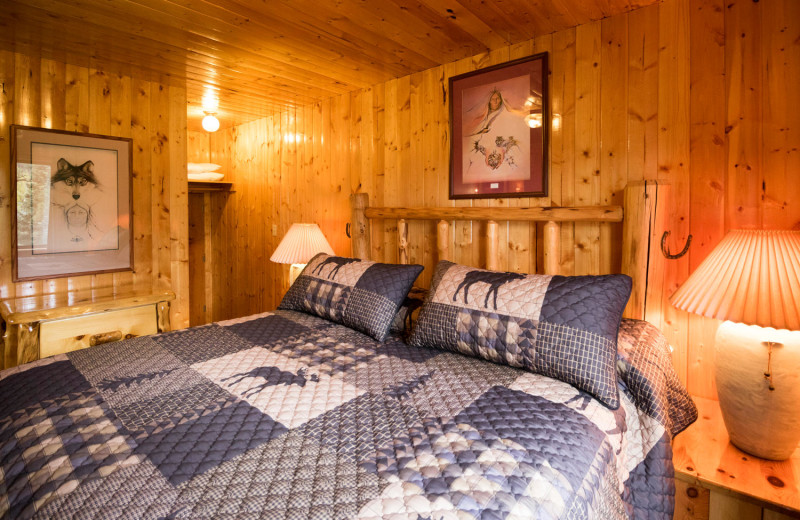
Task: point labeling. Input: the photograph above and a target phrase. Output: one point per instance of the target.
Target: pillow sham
(563, 327)
(644, 365)
(359, 294)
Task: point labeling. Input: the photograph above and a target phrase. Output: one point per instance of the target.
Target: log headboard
(642, 214)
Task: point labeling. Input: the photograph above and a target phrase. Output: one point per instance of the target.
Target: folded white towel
(202, 167)
(206, 176)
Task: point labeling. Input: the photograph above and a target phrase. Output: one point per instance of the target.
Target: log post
(359, 228)
(552, 248)
(443, 240)
(645, 221)
(162, 311)
(27, 342)
(9, 352)
(492, 246)
(402, 238)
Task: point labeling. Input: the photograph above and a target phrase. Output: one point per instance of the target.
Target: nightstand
(716, 480)
(49, 324)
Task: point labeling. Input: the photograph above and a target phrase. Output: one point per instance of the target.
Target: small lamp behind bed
(300, 244)
(752, 280)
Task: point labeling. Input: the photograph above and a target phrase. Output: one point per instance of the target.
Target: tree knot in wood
(775, 481)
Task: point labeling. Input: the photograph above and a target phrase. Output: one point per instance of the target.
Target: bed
(319, 411)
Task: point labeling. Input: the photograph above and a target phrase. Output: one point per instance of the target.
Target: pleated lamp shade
(300, 244)
(751, 277)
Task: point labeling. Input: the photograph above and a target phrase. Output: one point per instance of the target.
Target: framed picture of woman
(499, 120)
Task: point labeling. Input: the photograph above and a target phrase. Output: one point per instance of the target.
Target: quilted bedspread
(284, 415)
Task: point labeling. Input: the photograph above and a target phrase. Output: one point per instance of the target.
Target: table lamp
(752, 281)
(298, 246)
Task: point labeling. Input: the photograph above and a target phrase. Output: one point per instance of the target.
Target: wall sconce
(534, 120)
(210, 122)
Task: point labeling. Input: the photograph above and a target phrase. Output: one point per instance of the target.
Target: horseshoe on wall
(666, 252)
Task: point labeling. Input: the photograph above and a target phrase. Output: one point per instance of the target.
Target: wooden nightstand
(716, 480)
(44, 325)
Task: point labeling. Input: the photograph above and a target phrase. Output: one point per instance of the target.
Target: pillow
(357, 293)
(194, 167)
(563, 327)
(206, 176)
(408, 312)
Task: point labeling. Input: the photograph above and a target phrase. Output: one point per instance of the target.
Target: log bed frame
(642, 214)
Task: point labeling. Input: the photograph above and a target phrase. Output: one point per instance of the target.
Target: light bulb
(534, 120)
(210, 123)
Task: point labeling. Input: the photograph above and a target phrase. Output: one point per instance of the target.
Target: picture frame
(499, 130)
(71, 203)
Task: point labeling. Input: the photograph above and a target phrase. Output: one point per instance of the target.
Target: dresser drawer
(68, 334)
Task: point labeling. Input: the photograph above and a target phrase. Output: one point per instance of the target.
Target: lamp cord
(768, 373)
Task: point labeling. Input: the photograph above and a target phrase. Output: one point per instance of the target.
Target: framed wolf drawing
(500, 120)
(71, 203)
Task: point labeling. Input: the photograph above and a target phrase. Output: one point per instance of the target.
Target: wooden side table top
(26, 309)
(703, 455)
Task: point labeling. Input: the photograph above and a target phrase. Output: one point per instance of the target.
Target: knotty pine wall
(51, 94)
(702, 94)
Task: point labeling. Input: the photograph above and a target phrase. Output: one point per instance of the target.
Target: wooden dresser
(716, 480)
(45, 325)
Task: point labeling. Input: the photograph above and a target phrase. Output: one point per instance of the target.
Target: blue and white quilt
(285, 415)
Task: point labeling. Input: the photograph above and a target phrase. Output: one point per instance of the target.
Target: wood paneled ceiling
(256, 56)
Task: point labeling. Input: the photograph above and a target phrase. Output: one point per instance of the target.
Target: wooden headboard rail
(643, 221)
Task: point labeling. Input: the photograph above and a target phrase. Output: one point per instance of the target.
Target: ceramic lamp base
(294, 272)
(749, 360)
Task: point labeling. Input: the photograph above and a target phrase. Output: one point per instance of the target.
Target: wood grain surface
(39, 91)
(644, 95)
(740, 484)
(254, 58)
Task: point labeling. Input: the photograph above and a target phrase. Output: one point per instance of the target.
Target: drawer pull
(105, 337)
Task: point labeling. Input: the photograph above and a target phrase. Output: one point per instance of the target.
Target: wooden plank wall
(46, 93)
(698, 93)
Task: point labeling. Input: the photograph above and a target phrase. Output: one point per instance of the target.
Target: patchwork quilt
(286, 415)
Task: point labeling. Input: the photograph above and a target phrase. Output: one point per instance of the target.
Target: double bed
(312, 412)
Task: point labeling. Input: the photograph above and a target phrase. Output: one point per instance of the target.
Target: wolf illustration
(74, 190)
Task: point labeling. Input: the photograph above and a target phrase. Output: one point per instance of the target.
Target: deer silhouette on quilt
(272, 376)
(337, 261)
(494, 279)
(583, 399)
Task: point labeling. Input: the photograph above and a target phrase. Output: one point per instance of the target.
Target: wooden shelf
(208, 186)
(703, 456)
